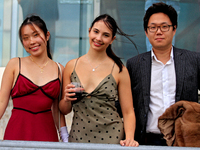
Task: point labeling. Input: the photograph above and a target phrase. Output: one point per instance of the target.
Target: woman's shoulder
(124, 71)
(13, 65)
(117, 68)
(71, 63)
(69, 67)
(118, 75)
(13, 62)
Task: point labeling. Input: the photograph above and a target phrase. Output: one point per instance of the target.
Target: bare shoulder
(71, 63)
(12, 69)
(13, 63)
(116, 70)
(123, 77)
(124, 72)
(120, 75)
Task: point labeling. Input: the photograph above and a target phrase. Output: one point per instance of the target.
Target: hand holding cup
(78, 91)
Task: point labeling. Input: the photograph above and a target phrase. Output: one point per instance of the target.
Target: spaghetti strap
(112, 68)
(76, 63)
(59, 70)
(19, 65)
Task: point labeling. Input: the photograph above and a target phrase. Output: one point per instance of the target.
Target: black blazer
(187, 68)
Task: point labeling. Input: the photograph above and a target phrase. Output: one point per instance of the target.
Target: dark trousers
(155, 139)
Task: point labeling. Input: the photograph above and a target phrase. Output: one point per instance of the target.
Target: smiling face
(160, 40)
(34, 40)
(100, 36)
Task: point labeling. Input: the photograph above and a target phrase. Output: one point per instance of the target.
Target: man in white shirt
(162, 76)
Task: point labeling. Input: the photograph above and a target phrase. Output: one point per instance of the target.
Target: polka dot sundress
(95, 117)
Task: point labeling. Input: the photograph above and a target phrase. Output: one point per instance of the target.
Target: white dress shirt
(162, 92)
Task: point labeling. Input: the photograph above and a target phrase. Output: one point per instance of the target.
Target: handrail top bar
(29, 145)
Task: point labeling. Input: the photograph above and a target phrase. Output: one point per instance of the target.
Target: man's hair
(161, 8)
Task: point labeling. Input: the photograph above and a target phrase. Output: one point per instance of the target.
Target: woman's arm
(65, 103)
(126, 102)
(61, 127)
(7, 83)
(57, 114)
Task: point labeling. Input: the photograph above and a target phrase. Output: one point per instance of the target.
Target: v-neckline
(38, 86)
(98, 84)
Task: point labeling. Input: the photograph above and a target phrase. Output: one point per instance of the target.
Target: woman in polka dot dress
(104, 79)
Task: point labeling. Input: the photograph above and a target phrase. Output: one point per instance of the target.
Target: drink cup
(78, 87)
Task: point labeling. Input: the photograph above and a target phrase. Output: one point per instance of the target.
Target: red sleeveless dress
(31, 118)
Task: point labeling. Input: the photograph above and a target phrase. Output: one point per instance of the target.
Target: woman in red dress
(33, 82)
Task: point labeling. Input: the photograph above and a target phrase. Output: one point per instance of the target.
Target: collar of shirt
(153, 56)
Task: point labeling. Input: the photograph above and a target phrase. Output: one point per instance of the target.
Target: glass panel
(129, 16)
(65, 20)
(6, 26)
(1, 30)
(71, 29)
(69, 20)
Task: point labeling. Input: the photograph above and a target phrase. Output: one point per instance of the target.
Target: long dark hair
(112, 25)
(36, 20)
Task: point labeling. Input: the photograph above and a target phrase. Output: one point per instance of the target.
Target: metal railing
(32, 145)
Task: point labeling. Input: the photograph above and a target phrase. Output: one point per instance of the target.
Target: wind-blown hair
(112, 25)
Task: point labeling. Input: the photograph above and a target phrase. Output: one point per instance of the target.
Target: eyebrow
(25, 35)
(31, 33)
(35, 32)
(159, 23)
(104, 32)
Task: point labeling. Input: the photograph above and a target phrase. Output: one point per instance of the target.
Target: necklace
(39, 65)
(93, 69)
